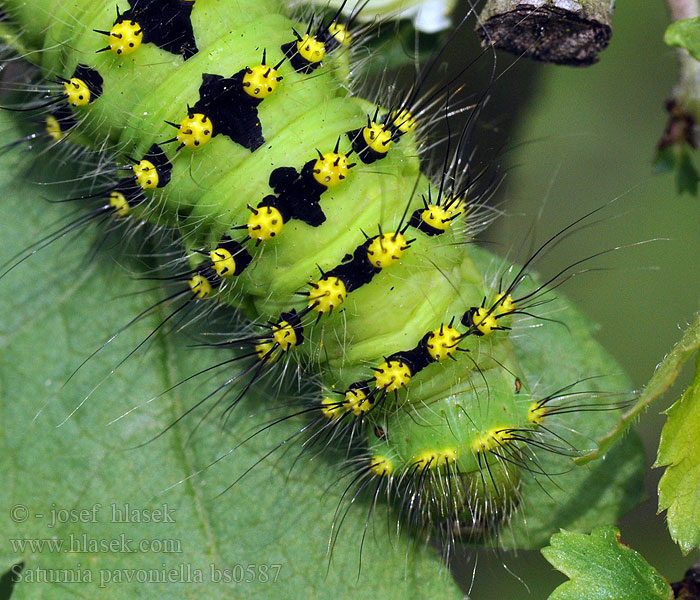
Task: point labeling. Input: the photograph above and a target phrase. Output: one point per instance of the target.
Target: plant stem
(570, 32)
(686, 94)
(683, 9)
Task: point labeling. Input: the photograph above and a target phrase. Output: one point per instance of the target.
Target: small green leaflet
(601, 568)
(685, 34)
(679, 451)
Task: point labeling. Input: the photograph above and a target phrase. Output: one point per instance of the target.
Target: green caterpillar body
(358, 280)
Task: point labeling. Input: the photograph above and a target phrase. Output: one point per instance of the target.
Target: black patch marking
(294, 319)
(160, 161)
(417, 358)
(298, 62)
(64, 116)
(93, 80)
(240, 255)
(232, 111)
(359, 145)
(357, 271)
(418, 222)
(165, 23)
(298, 194)
(132, 191)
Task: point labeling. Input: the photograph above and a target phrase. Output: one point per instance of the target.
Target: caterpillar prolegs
(303, 206)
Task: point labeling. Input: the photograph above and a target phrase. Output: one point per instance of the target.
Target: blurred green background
(581, 138)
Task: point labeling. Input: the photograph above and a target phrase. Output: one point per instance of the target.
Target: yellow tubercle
(194, 130)
(146, 174)
(377, 137)
(119, 203)
(223, 262)
(340, 33)
(494, 438)
(77, 92)
(503, 304)
(536, 413)
(381, 465)
(357, 402)
(311, 49)
(332, 409)
(53, 128)
(442, 342)
(437, 217)
(386, 249)
(454, 206)
(284, 336)
(200, 286)
(392, 375)
(265, 223)
(484, 320)
(331, 169)
(260, 81)
(403, 120)
(327, 294)
(125, 37)
(266, 351)
(433, 459)
(440, 216)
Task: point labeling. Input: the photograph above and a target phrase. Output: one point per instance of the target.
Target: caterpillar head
(456, 457)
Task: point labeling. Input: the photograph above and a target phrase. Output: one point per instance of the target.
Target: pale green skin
(217, 181)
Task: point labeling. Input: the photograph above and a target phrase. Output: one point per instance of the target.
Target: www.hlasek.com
(79, 544)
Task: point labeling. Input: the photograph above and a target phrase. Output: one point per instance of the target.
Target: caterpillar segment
(329, 292)
(297, 195)
(356, 270)
(478, 454)
(229, 106)
(398, 369)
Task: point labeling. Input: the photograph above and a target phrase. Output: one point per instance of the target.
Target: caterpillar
(302, 206)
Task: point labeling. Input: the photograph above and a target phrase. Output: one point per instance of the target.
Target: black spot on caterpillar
(363, 286)
(165, 23)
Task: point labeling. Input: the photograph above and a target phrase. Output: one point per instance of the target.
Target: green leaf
(687, 175)
(685, 34)
(663, 378)
(679, 452)
(665, 160)
(82, 465)
(678, 157)
(601, 568)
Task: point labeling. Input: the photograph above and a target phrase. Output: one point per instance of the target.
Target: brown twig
(570, 32)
